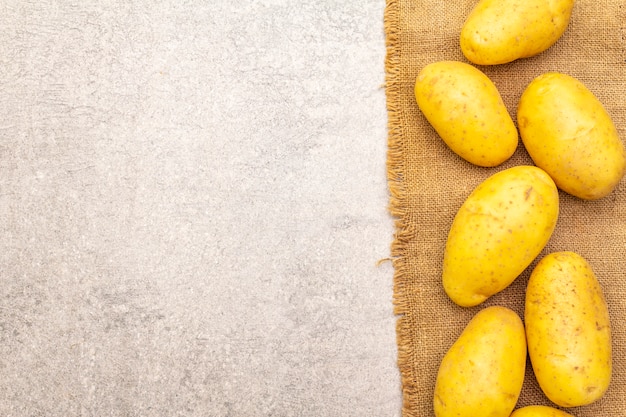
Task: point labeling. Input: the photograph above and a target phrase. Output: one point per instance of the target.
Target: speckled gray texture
(193, 200)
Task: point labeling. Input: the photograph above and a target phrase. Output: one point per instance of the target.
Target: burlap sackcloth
(428, 183)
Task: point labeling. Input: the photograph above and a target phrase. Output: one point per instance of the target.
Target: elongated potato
(498, 231)
(568, 330)
(483, 372)
(465, 108)
(569, 134)
(539, 411)
(501, 31)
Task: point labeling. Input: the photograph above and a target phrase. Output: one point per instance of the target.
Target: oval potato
(466, 109)
(483, 372)
(569, 134)
(501, 31)
(568, 330)
(498, 231)
(539, 411)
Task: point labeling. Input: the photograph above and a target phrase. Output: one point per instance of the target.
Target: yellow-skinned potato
(501, 31)
(569, 134)
(466, 109)
(539, 411)
(483, 372)
(498, 231)
(568, 330)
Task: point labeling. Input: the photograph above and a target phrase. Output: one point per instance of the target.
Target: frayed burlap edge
(398, 204)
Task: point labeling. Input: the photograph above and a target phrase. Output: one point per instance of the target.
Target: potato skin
(568, 330)
(569, 134)
(483, 372)
(539, 411)
(498, 231)
(466, 109)
(501, 31)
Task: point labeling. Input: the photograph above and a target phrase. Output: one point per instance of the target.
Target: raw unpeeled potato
(539, 411)
(501, 31)
(465, 108)
(569, 134)
(568, 330)
(498, 231)
(483, 372)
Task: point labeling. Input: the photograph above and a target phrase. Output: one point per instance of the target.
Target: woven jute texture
(428, 184)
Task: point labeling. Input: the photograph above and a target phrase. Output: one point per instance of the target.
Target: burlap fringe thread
(398, 204)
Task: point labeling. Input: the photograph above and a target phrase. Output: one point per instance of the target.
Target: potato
(569, 134)
(568, 330)
(498, 231)
(539, 411)
(501, 31)
(483, 372)
(466, 110)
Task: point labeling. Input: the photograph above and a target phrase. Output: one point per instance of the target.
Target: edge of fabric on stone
(398, 204)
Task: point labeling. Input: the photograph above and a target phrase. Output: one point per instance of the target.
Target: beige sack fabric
(428, 183)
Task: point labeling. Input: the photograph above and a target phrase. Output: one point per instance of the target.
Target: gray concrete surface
(192, 204)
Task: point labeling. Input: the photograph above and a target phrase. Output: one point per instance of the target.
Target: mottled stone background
(193, 200)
